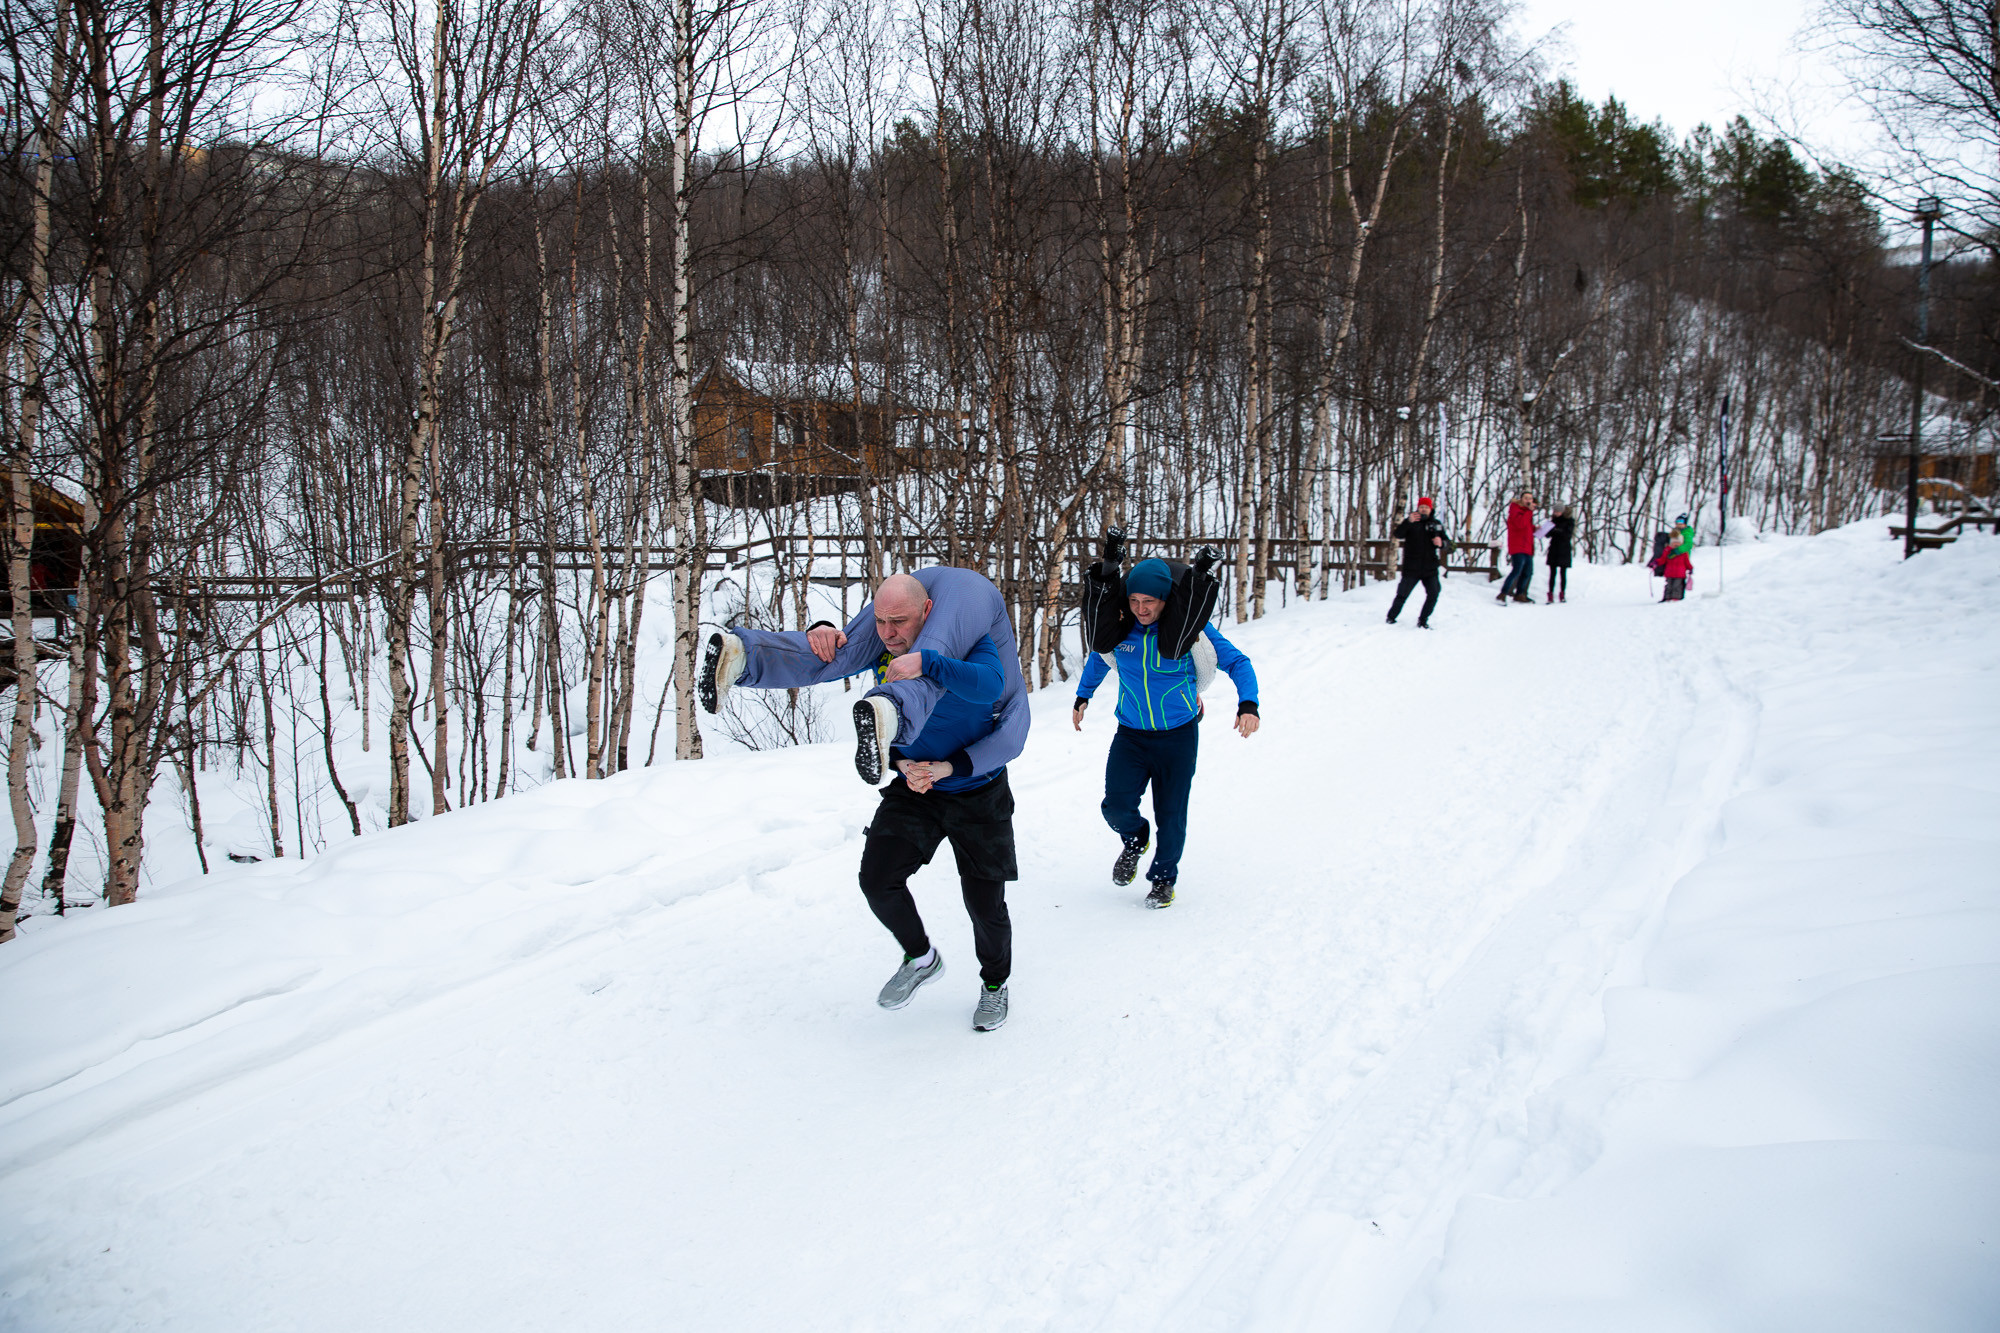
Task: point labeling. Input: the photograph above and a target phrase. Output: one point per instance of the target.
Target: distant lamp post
(1929, 209)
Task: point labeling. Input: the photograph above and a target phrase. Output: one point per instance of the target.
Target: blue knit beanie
(1150, 578)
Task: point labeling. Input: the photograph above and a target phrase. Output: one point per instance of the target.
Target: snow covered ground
(1606, 966)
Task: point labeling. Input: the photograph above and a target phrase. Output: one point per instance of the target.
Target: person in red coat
(1520, 549)
(1677, 564)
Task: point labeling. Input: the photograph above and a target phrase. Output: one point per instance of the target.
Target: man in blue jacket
(1159, 709)
(943, 609)
(949, 765)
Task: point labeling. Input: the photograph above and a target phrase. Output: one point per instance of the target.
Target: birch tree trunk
(1256, 441)
(82, 682)
(20, 473)
(690, 554)
(467, 86)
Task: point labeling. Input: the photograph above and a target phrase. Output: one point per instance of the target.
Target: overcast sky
(1689, 61)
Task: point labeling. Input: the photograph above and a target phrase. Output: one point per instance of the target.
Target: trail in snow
(1790, 1107)
(606, 1054)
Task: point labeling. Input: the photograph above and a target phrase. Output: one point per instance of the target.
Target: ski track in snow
(607, 1054)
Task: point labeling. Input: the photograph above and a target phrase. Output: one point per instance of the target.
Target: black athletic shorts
(980, 824)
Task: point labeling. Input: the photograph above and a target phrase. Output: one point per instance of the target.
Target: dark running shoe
(719, 670)
(1161, 894)
(1126, 867)
(875, 725)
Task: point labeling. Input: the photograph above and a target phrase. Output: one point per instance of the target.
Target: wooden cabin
(768, 434)
(1974, 472)
(55, 561)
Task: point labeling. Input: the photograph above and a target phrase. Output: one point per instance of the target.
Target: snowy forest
(369, 342)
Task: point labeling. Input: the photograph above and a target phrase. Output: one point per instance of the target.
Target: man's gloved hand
(1205, 558)
(1113, 551)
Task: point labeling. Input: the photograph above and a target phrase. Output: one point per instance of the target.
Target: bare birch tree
(452, 80)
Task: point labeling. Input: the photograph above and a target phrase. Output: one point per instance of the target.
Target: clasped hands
(923, 774)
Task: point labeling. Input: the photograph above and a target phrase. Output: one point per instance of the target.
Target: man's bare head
(900, 607)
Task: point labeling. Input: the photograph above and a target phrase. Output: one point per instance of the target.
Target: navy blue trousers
(1166, 760)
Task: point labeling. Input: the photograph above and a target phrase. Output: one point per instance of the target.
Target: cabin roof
(794, 381)
(52, 506)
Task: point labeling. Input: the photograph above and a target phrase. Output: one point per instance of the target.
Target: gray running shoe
(1161, 894)
(896, 992)
(992, 1010)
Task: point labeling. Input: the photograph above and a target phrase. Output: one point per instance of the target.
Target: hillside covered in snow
(1602, 966)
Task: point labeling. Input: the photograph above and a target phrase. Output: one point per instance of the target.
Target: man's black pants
(904, 835)
(1411, 579)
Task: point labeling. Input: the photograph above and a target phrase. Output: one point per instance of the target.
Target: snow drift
(1607, 965)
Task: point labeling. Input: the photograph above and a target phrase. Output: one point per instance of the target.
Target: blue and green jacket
(1158, 693)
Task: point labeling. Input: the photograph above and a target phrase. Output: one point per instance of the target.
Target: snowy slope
(1600, 966)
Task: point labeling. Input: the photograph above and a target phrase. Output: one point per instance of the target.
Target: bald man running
(949, 710)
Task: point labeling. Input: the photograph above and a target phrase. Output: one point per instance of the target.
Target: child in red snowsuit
(1677, 565)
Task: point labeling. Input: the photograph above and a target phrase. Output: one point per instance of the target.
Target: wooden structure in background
(1958, 487)
(55, 563)
(768, 435)
(837, 560)
(1939, 476)
(56, 558)
(1376, 558)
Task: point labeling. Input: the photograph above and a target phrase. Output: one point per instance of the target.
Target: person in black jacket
(1562, 532)
(1423, 547)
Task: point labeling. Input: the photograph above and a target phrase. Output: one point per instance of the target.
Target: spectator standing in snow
(1520, 549)
(950, 767)
(1562, 534)
(1423, 546)
(1677, 565)
(1159, 711)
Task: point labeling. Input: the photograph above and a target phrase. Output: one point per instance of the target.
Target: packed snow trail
(1775, 1113)
(1791, 1112)
(606, 1055)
